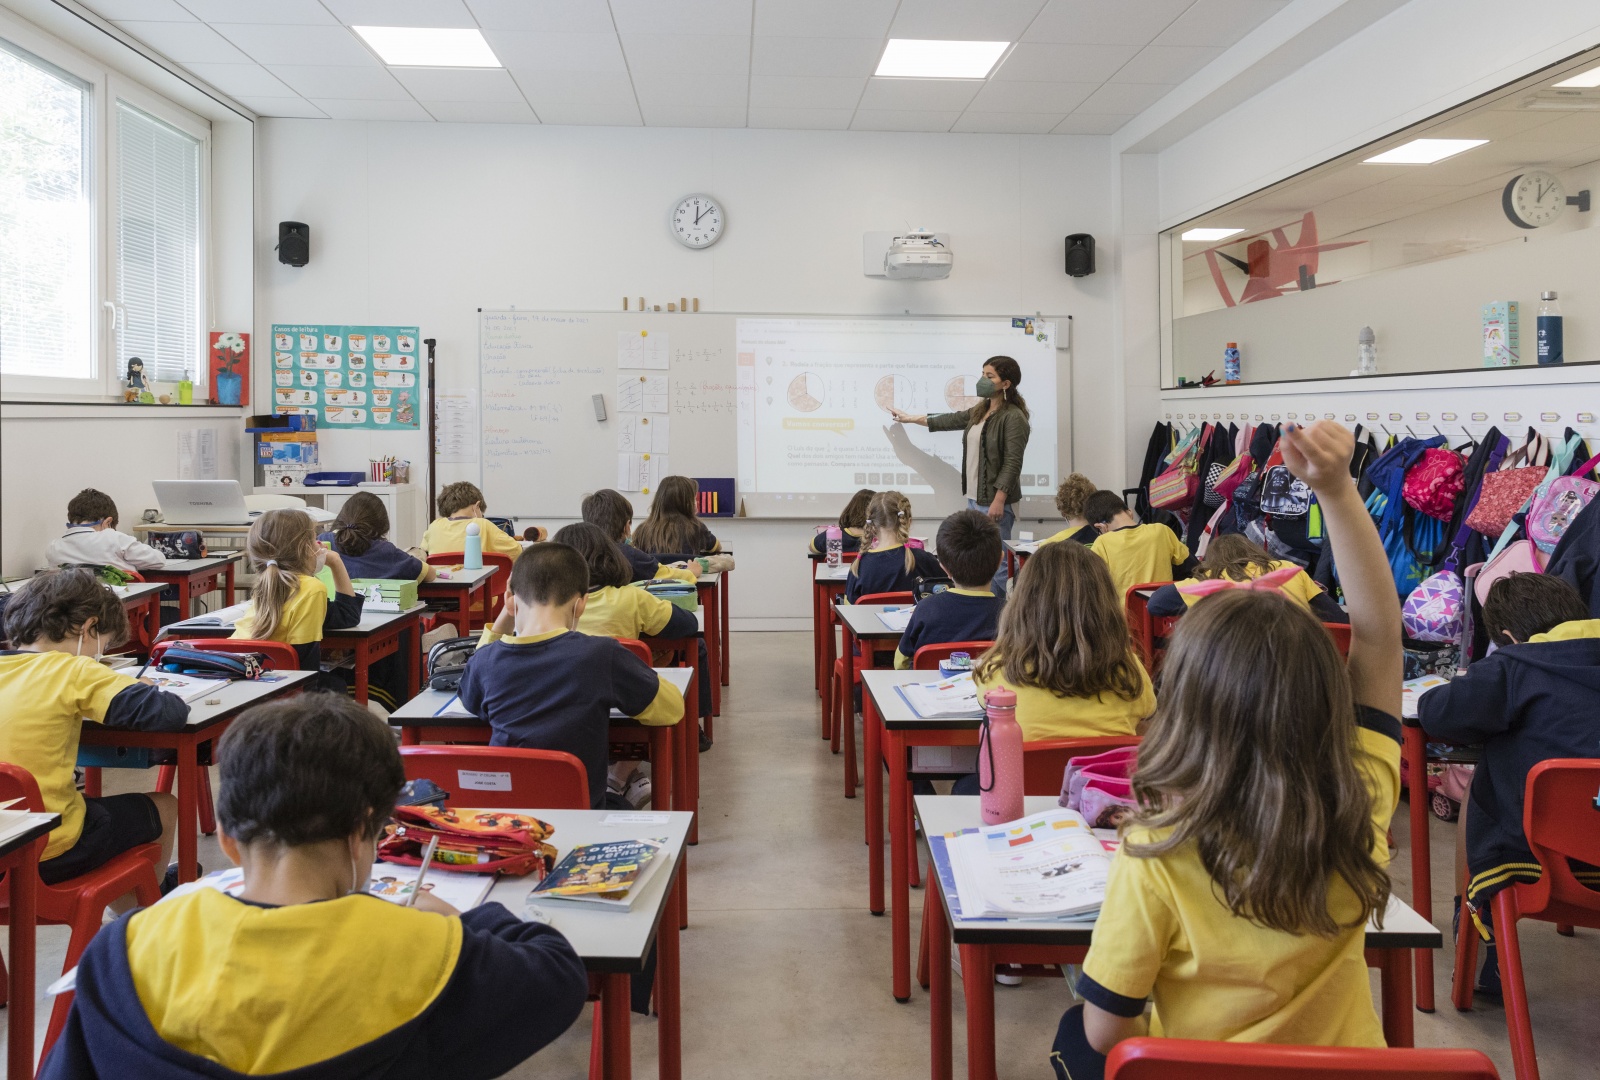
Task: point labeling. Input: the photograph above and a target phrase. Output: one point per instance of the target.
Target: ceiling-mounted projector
(917, 256)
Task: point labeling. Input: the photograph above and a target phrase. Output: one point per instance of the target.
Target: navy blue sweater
(885, 571)
(951, 616)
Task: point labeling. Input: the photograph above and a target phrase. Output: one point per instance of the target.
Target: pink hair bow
(1266, 582)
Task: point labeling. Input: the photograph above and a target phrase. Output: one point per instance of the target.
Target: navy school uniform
(889, 570)
(956, 614)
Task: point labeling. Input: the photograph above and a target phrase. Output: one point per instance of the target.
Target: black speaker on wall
(294, 243)
(1080, 255)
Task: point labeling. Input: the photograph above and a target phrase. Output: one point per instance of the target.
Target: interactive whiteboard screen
(814, 395)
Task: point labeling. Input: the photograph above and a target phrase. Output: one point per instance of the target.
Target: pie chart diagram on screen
(807, 391)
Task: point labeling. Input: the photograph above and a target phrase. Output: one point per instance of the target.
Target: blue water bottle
(1551, 346)
(472, 557)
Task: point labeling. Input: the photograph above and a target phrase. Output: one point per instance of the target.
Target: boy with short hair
(1135, 553)
(541, 684)
(613, 513)
(459, 504)
(969, 551)
(1536, 697)
(303, 971)
(92, 538)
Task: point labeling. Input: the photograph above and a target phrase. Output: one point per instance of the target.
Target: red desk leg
(1394, 977)
(713, 640)
(411, 647)
(189, 805)
(827, 651)
(872, 780)
(227, 592)
(691, 702)
(723, 626)
(840, 698)
(816, 643)
(670, 1032)
(614, 1005)
(361, 669)
(899, 866)
(183, 597)
(23, 872)
(939, 987)
(1415, 750)
(977, 983)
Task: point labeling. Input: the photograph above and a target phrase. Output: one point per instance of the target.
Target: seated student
(969, 552)
(360, 537)
(460, 503)
(1136, 553)
(1266, 781)
(1071, 497)
(672, 526)
(305, 973)
(1535, 697)
(539, 684)
(92, 538)
(852, 519)
(59, 623)
(1236, 558)
(887, 563)
(1064, 649)
(613, 513)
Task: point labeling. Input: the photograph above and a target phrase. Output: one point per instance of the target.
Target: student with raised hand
(969, 551)
(360, 536)
(460, 504)
(304, 973)
(887, 563)
(51, 683)
(852, 520)
(1265, 783)
(1135, 553)
(1234, 557)
(92, 538)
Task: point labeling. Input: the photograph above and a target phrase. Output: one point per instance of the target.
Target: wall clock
(1536, 198)
(697, 221)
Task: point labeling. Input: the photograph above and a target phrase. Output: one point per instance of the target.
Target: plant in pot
(227, 351)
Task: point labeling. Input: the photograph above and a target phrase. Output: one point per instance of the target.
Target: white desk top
(188, 566)
(942, 814)
(608, 939)
(825, 573)
(137, 590)
(863, 621)
(1022, 547)
(462, 578)
(241, 694)
(371, 622)
(426, 705)
(709, 579)
(880, 683)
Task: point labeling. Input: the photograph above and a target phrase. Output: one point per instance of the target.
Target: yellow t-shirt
(1043, 715)
(675, 574)
(44, 699)
(1065, 534)
(628, 612)
(269, 989)
(1300, 587)
(302, 619)
(1164, 931)
(1140, 553)
(446, 535)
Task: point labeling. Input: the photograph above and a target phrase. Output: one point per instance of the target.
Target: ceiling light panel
(1424, 151)
(428, 46)
(1583, 79)
(911, 58)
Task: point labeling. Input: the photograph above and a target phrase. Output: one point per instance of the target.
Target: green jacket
(1005, 437)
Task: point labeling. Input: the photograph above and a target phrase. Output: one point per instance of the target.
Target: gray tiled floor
(786, 975)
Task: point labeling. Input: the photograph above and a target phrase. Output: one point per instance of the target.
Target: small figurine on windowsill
(135, 388)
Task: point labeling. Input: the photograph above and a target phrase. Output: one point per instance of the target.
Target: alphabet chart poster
(348, 376)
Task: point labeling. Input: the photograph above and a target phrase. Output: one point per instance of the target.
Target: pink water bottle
(1000, 758)
(835, 545)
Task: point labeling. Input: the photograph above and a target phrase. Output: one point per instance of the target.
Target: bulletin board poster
(348, 376)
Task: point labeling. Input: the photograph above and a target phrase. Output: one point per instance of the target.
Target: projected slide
(814, 397)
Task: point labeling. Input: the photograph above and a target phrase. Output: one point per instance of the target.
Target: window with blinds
(46, 220)
(159, 244)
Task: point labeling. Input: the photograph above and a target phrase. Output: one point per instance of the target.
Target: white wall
(425, 223)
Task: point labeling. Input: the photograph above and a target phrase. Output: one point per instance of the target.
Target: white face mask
(357, 884)
(99, 644)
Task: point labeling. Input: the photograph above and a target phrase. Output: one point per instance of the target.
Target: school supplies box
(473, 841)
(612, 873)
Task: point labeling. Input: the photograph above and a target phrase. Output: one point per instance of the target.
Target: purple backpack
(1433, 610)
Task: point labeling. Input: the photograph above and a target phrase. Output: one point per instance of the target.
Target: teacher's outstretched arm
(909, 418)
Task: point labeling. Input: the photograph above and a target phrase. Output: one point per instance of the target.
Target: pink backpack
(1557, 504)
(1108, 770)
(1433, 485)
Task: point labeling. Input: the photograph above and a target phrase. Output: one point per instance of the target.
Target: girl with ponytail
(288, 602)
(887, 563)
(361, 537)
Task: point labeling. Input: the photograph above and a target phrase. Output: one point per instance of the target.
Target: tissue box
(394, 591)
(1502, 344)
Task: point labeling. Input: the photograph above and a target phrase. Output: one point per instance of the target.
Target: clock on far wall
(697, 221)
(1537, 198)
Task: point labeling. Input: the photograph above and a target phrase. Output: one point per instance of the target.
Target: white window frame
(124, 89)
(106, 87)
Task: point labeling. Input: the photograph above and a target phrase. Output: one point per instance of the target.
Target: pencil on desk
(422, 871)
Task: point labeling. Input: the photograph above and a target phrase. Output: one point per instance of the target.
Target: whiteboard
(665, 377)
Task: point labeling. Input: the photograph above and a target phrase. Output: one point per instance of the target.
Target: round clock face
(1533, 199)
(697, 221)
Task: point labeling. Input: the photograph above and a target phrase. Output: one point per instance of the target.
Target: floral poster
(347, 376)
(229, 370)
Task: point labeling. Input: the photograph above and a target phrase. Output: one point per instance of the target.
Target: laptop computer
(202, 502)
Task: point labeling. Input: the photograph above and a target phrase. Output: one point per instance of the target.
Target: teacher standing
(996, 436)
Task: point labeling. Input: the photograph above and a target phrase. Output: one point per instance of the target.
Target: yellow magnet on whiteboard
(644, 491)
(644, 333)
(647, 457)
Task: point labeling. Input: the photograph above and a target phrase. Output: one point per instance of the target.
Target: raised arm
(1320, 455)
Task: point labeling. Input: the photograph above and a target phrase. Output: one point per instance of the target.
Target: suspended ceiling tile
(964, 20)
(815, 56)
(557, 50)
(711, 17)
(1124, 98)
(242, 80)
(458, 84)
(1104, 22)
(283, 106)
(340, 82)
(288, 12)
(828, 18)
(481, 112)
(919, 95)
(544, 16)
(1219, 22)
(1022, 97)
(140, 10)
(575, 88)
(689, 116)
(451, 14)
(815, 119)
(792, 92)
(1168, 64)
(701, 54)
(1012, 123)
(1092, 123)
(690, 91)
(186, 42)
(353, 109)
(904, 119)
(270, 44)
(1034, 62)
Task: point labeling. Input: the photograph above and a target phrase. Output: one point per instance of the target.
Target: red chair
(1193, 1059)
(81, 901)
(1558, 820)
(538, 778)
(134, 575)
(638, 648)
(280, 657)
(846, 677)
(1150, 632)
(494, 594)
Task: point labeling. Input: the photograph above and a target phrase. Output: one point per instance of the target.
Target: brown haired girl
(851, 521)
(361, 537)
(1071, 498)
(887, 563)
(1233, 557)
(288, 603)
(1265, 783)
(1064, 650)
(672, 526)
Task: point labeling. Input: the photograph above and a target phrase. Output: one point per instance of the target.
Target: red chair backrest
(280, 656)
(886, 598)
(533, 779)
(1340, 633)
(1044, 761)
(1561, 822)
(1140, 624)
(637, 648)
(1192, 1059)
(134, 575)
(927, 658)
(18, 783)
